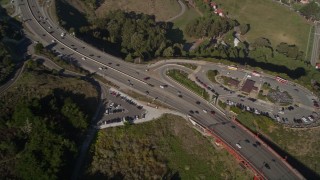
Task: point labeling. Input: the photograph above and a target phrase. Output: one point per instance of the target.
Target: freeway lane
(125, 72)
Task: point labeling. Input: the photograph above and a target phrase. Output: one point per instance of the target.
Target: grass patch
(182, 78)
(161, 9)
(188, 65)
(222, 104)
(269, 19)
(262, 96)
(211, 74)
(181, 22)
(4, 2)
(162, 149)
(302, 144)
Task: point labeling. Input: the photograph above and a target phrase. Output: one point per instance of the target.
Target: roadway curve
(74, 49)
(182, 11)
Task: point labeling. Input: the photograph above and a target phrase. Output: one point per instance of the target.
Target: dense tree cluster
(291, 51)
(39, 135)
(209, 26)
(6, 63)
(136, 35)
(311, 10)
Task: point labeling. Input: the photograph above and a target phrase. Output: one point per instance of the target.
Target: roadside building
(248, 86)
(304, 1)
(219, 12)
(236, 42)
(213, 5)
(233, 82)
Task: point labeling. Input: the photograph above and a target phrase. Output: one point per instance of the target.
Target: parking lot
(121, 108)
(294, 105)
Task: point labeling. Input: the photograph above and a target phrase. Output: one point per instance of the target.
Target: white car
(205, 111)
(161, 86)
(281, 112)
(238, 145)
(304, 119)
(100, 68)
(83, 58)
(53, 40)
(111, 104)
(310, 118)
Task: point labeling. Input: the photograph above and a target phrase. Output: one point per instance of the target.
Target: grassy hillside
(162, 9)
(166, 147)
(269, 19)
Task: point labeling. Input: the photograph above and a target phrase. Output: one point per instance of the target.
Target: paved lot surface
(147, 113)
(302, 99)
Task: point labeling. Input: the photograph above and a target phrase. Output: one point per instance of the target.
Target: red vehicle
(255, 73)
(213, 112)
(281, 80)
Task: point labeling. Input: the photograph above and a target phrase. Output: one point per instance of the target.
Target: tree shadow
(71, 16)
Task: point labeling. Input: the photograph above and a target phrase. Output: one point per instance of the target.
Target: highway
(90, 58)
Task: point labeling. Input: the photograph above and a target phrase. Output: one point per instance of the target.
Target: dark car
(146, 78)
(213, 112)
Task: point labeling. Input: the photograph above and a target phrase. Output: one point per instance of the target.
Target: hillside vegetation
(42, 121)
(161, 9)
(166, 148)
(7, 33)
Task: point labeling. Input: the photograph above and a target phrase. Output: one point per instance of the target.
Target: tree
(282, 48)
(311, 10)
(261, 42)
(293, 52)
(244, 28)
(38, 48)
(76, 117)
(261, 53)
(168, 52)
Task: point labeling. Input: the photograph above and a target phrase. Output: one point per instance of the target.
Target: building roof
(233, 82)
(248, 86)
(318, 66)
(218, 11)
